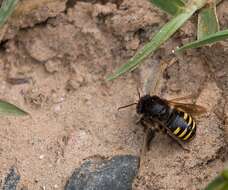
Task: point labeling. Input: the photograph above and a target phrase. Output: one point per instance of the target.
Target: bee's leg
(161, 129)
(150, 134)
(182, 146)
(179, 143)
(149, 129)
(148, 137)
(139, 121)
(142, 122)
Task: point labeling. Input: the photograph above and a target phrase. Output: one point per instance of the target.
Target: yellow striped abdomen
(182, 125)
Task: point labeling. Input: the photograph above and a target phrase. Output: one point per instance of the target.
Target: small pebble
(11, 180)
(57, 108)
(41, 157)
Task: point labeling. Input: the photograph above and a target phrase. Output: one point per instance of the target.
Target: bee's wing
(153, 78)
(156, 71)
(189, 108)
(191, 96)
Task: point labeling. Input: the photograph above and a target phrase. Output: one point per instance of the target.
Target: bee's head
(143, 104)
(151, 106)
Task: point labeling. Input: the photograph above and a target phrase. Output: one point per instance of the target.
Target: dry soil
(65, 50)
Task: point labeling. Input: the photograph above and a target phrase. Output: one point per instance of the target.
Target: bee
(172, 117)
(169, 116)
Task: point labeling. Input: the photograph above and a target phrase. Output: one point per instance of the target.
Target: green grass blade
(225, 187)
(225, 174)
(219, 183)
(6, 10)
(218, 36)
(172, 7)
(10, 109)
(163, 35)
(207, 21)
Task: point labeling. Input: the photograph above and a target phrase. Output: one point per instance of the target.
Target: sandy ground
(66, 50)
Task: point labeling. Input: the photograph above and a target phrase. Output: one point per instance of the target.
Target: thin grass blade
(218, 36)
(172, 7)
(10, 109)
(225, 174)
(163, 35)
(216, 184)
(6, 10)
(207, 21)
(219, 183)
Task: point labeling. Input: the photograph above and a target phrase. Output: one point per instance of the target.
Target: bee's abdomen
(183, 126)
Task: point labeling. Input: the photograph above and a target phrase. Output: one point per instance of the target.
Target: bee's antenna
(131, 103)
(126, 106)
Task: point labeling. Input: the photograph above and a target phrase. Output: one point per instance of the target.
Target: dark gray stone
(11, 180)
(115, 174)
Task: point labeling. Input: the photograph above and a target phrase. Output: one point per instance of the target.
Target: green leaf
(163, 35)
(225, 174)
(219, 183)
(207, 21)
(10, 109)
(225, 187)
(6, 9)
(172, 7)
(218, 36)
(216, 184)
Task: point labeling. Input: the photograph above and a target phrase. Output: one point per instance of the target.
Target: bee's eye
(163, 110)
